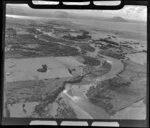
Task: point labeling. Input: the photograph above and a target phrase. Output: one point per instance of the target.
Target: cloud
(131, 12)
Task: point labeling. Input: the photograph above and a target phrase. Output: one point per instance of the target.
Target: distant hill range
(26, 11)
(61, 14)
(117, 19)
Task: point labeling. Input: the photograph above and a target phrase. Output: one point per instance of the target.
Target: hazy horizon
(138, 13)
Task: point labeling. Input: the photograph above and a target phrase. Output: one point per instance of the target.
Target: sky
(127, 12)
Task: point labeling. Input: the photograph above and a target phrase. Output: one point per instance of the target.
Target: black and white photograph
(75, 64)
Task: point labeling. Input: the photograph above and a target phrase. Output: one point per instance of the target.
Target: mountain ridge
(117, 19)
(26, 11)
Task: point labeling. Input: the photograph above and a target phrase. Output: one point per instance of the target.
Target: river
(78, 99)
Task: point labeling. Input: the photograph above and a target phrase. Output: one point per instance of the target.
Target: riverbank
(122, 90)
(80, 91)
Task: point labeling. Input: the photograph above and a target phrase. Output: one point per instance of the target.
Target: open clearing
(16, 110)
(26, 69)
(135, 111)
(140, 58)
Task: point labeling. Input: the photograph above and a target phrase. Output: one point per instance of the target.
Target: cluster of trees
(100, 98)
(64, 110)
(109, 41)
(87, 47)
(46, 46)
(101, 94)
(103, 87)
(113, 54)
(58, 50)
(77, 79)
(27, 39)
(78, 37)
(91, 61)
(33, 31)
(49, 98)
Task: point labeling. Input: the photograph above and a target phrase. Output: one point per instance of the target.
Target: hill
(117, 19)
(61, 14)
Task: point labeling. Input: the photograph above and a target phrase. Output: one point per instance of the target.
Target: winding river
(81, 104)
